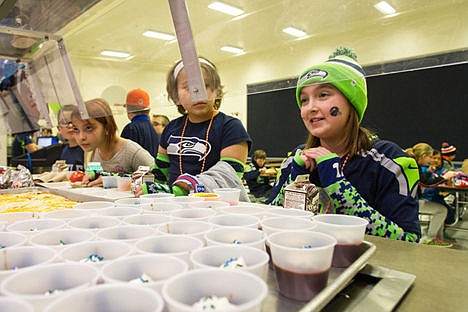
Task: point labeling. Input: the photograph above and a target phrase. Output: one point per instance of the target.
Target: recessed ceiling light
(294, 32)
(115, 54)
(158, 35)
(225, 8)
(385, 8)
(232, 49)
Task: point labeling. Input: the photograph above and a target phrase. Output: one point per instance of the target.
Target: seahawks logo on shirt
(190, 146)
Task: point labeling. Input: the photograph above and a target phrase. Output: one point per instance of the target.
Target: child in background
(204, 148)
(98, 135)
(259, 186)
(356, 173)
(72, 153)
(448, 155)
(159, 123)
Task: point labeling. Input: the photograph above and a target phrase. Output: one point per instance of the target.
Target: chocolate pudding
(300, 286)
(345, 255)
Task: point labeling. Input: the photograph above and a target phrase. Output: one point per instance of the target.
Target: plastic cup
(158, 268)
(157, 197)
(190, 228)
(288, 212)
(120, 211)
(200, 214)
(59, 238)
(348, 231)
(302, 261)
(109, 182)
(256, 260)
(15, 304)
(257, 211)
(244, 290)
(236, 235)
(11, 217)
(66, 214)
(42, 284)
(17, 259)
(148, 219)
(124, 183)
(235, 220)
(94, 205)
(107, 250)
(206, 196)
(12, 239)
(187, 201)
(230, 195)
(164, 207)
(279, 224)
(132, 202)
(29, 227)
(173, 245)
(213, 204)
(94, 223)
(115, 297)
(125, 233)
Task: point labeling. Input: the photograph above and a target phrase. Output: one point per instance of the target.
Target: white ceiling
(119, 24)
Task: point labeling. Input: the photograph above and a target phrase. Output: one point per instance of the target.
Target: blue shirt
(73, 156)
(141, 131)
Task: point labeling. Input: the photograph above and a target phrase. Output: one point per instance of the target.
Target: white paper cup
(236, 235)
(149, 219)
(120, 211)
(278, 224)
(109, 182)
(15, 304)
(94, 223)
(164, 207)
(257, 211)
(256, 260)
(349, 232)
(94, 205)
(42, 284)
(30, 227)
(230, 195)
(302, 261)
(59, 238)
(125, 233)
(190, 228)
(158, 268)
(179, 246)
(200, 214)
(235, 220)
(17, 259)
(288, 212)
(11, 217)
(66, 214)
(213, 204)
(187, 201)
(12, 239)
(244, 290)
(115, 297)
(107, 249)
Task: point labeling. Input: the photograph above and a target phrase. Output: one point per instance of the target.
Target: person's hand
(263, 170)
(431, 168)
(138, 191)
(449, 175)
(97, 182)
(86, 178)
(311, 154)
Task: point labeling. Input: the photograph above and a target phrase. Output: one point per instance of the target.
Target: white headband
(179, 66)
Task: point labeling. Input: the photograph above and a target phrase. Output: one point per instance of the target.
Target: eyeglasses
(67, 124)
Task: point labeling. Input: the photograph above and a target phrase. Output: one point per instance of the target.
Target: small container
(124, 184)
(230, 195)
(109, 182)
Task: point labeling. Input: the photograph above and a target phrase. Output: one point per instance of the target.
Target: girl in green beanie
(357, 173)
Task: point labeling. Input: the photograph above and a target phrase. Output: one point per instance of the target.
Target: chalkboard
(424, 105)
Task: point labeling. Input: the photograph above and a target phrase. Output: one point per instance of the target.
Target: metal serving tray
(389, 287)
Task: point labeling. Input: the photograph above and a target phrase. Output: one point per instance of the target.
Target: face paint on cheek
(334, 111)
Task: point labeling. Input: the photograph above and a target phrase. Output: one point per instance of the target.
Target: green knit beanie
(342, 71)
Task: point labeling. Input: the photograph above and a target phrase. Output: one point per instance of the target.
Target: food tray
(338, 279)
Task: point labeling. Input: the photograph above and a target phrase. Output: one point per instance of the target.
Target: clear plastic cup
(132, 202)
(216, 205)
(236, 235)
(190, 228)
(206, 196)
(149, 219)
(349, 232)
(94, 205)
(187, 201)
(42, 284)
(11, 217)
(157, 197)
(125, 233)
(30, 227)
(120, 211)
(124, 184)
(149, 270)
(95, 253)
(59, 238)
(66, 214)
(288, 212)
(109, 182)
(164, 207)
(235, 220)
(15, 304)
(17, 259)
(12, 239)
(302, 261)
(257, 211)
(179, 246)
(256, 260)
(230, 195)
(115, 297)
(277, 224)
(200, 214)
(94, 223)
(243, 290)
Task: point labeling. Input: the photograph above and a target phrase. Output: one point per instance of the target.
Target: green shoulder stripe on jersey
(410, 170)
(161, 168)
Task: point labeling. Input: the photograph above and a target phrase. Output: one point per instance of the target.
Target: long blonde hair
(419, 150)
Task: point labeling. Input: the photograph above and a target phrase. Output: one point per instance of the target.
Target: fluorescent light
(294, 32)
(115, 53)
(225, 8)
(158, 35)
(232, 49)
(385, 8)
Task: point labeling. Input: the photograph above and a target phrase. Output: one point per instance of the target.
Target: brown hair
(214, 82)
(99, 110)
(358, 138)
(163, 120)
(259, 154)
(419, 150)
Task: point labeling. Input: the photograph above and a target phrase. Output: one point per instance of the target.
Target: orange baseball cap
(137, 100)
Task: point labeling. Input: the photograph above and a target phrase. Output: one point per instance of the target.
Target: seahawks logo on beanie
(313, 73)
